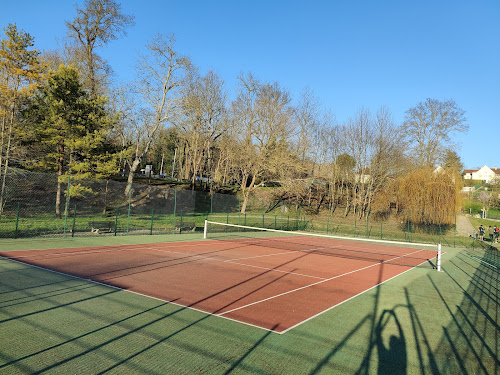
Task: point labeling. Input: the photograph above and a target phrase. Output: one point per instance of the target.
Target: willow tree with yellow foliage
(429, 197)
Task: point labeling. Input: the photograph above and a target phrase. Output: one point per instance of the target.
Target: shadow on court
(32, 294)
(439, 323)
(408, 338)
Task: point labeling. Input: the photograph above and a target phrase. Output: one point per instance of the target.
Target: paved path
(464, 227)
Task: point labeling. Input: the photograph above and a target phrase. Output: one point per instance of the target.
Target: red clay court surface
(272, 284)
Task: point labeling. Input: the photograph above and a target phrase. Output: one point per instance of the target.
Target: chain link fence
(155, 206)
(104, 207)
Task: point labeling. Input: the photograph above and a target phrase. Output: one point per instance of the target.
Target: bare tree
(263, 119)
(387, 158)
(161, 76)
(306, 114)
(74, 55)
(95, 25)
(428, 129)
(359, 139)
(202, 123)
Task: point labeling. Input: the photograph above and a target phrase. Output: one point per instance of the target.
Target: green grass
(392, 228)
(420, 322)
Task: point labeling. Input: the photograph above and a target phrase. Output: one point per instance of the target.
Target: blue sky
(352, 54)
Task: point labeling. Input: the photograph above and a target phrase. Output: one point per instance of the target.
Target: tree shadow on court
(468, 344)
(238, 362)
(85, 349)
(126, 268)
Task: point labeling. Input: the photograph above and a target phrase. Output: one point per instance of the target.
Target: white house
(485, 174)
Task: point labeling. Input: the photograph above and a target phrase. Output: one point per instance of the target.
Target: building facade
(485, 174)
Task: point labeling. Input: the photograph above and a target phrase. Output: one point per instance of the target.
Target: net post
(205, 229)
(439, 258)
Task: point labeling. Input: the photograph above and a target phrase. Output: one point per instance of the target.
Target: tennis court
(266, 280)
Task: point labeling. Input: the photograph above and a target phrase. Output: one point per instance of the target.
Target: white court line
(344, 301)
(139, 294)
(107, 250)
(192, 308)
(313, 284)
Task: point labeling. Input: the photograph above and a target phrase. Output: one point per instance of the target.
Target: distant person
(481, 232)
(495, 233)
(490, 233)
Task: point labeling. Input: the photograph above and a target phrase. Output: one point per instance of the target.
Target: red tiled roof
(470, 170)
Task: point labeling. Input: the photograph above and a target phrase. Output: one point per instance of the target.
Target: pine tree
(69, 131)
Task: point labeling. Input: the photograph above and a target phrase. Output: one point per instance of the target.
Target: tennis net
(381, 251)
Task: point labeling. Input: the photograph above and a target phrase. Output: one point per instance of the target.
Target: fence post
(408, 227)
(116, 220)
(381, 229)
(455, 232)
(180, 224)
(66, 209)
(74, 222)
(17, 219)
(129, 204)
(152, 216)
(175, 208)
(367, 223)
(211, 204)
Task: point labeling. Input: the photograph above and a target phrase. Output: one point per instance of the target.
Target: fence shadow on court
(131, 329)
(469, 344)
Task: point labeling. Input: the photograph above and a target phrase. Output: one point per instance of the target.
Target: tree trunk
(105, 198)
(92, 79)
(7, 155)
(131, 172)
(246, 191)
